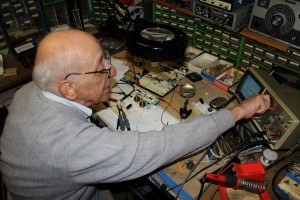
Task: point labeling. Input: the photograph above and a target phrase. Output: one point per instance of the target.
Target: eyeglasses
(103, 71)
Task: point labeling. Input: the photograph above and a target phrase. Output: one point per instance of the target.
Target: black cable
(129, 94)
(214, 194)
(215, 162)
(202, 182)
(274, 180)
(191, 171)
(218, 160)
(225, 165)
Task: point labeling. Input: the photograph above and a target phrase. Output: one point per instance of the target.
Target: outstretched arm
(256, 104)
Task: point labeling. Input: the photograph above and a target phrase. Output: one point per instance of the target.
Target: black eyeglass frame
(103, 71)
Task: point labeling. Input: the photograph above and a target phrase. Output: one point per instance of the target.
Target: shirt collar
(86, 111)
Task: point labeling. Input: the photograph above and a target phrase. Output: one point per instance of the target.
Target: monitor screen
(248, 86)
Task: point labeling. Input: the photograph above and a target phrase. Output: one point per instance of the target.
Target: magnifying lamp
(156, 42)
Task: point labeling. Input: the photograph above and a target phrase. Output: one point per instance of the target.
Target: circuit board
(156, 84)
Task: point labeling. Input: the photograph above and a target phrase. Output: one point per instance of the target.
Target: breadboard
(156, 84)
(142, 119)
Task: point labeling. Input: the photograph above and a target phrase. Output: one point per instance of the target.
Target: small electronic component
(194, 76)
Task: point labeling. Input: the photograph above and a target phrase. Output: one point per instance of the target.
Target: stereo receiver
(281, 121)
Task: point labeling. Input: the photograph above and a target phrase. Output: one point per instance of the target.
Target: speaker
(278, 19)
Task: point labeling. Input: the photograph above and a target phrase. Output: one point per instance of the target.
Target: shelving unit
(19, 21)
(3, 45)
(101, 11)
(244, 49)
(56, 13)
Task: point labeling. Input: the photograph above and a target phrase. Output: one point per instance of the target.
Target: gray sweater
(51, 151)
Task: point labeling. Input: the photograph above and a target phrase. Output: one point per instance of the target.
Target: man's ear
(68, 90)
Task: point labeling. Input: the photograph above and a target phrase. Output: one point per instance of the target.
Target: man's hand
(256, 104)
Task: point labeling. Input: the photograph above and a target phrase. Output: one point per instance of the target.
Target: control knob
(277, 20)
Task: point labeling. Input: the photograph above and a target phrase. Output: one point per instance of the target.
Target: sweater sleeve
(101, 155)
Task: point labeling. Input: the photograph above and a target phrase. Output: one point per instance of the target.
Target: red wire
(169, 104)
(137, 82)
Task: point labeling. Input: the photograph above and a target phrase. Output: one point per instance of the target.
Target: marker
(179, 167)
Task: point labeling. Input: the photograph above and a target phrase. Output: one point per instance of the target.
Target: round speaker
(280, 17)
(156, 42)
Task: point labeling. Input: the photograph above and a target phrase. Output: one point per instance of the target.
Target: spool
(268, 157)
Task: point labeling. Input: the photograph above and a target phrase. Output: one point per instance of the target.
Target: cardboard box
(228, 78)
(208, 66)
(190, 54)
(215, 69)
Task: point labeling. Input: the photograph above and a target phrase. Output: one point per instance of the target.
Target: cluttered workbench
(158, 94)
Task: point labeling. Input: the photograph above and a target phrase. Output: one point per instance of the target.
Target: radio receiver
(279, 19)
(228, 5)
(228, 19)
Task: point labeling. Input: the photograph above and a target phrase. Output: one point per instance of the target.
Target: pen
(179, 167)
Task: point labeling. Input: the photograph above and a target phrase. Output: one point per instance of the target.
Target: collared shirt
(86, 111)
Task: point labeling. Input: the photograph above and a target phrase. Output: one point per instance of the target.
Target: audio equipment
(228, 19)
(281, 121)
(229, 5)
(279, 19)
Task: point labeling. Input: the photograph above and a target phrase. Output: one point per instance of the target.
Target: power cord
(274, 181)
(191, 171)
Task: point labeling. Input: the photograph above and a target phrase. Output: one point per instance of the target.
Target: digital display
(248, 86)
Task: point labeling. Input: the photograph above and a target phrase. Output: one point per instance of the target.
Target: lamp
(155, 42)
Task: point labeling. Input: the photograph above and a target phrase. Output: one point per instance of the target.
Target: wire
(168, 104)
(214, 194)
(274, 180)
(129, 94)
(215, 162)
(191, 171)
(226, 165)
(202, 182)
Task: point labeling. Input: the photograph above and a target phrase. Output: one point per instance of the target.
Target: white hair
(55, 58)
(46, 71)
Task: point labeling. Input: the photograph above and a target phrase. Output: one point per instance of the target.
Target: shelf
(244, 32)
(23, 74)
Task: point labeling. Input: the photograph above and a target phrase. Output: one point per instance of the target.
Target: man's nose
(113, 71)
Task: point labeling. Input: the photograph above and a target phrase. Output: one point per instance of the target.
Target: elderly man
(49, 148)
